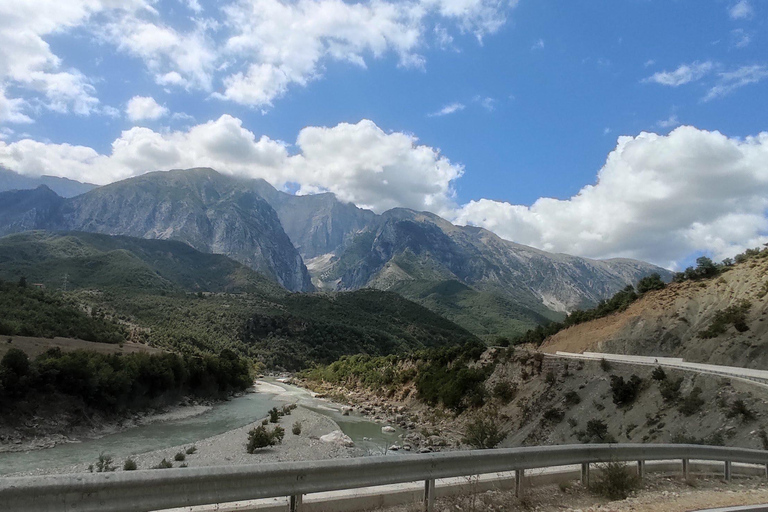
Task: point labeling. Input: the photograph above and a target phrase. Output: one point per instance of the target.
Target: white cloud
(669, 122)
(358, 162)
(449, 109)
(657, 198)
(12, 109)
(741, 10)
(141, 108)
(740, 38)
(684, 74)
(538, 45)
(486, 102)
(27, 61)
(730, 81)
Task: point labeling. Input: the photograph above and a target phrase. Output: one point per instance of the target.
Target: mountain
(720, 320)
(200, 207)
(63, 187)
(509, 287)
(104, 262)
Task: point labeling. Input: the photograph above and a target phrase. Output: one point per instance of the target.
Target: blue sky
(523, 100)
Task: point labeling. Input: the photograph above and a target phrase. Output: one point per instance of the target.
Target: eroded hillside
(685, 320)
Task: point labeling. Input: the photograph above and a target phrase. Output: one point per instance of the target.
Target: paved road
(757, 377)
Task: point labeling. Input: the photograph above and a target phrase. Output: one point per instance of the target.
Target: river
(220, 418)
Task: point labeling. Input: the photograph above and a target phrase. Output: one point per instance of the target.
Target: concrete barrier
(142, 491)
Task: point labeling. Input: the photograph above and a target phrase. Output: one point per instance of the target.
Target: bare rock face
(339, 438)
(209, 211)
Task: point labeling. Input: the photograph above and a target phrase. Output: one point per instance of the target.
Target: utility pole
(66, 276)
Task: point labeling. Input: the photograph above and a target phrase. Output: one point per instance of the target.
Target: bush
(735, 315)
(625, 393)
(260, 437)
(692, 403)
(163, 464)
(504, 391)
(605, 365)
(571, 398)
(670, 389)
(296, 428)
(739, 408)
(192, 449)
(649, 283)
(553, 415)
(614, 481)
(104, 464)
(274, 415)
(129, 465)
(596, 432)
(658, 373)
(484, 433)
(179, 457)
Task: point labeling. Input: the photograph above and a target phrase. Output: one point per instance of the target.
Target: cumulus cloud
(657, 198)
(741, 10)
(360, 163)
(27, 61)
(141, 108)
(684, 74)
(451, 108)
(12, 109)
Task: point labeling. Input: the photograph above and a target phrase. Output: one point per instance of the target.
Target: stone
(387, 429)
(339, 438)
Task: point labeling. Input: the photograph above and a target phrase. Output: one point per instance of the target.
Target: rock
(437, 441)
(425, 450)
(345, 411)
(339, 438)
(388, 429)
(394, 448)
(407, 447)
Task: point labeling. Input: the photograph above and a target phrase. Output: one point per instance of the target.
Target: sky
(602, 129)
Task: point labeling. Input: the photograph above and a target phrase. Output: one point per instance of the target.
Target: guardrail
(142, 491)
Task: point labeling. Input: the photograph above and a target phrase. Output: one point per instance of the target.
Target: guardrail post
(727, 472)
(686, 469)
(429, 495)
(766, 471)
(296, 502)
(519, 482)
(641, 469)
(585, 474)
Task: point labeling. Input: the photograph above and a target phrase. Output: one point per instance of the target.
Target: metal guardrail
(142, 491)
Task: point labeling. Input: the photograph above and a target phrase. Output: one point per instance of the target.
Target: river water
(220, 418)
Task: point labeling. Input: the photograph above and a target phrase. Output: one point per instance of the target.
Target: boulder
(388, 429)
(339, 438)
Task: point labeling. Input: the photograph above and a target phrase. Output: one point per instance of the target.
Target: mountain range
(317, 242)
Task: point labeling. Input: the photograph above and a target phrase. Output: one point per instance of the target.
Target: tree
(650, 283)
(22, 282)
(484, 433)
(705, 267)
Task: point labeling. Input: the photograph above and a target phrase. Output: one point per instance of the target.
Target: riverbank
(66, 421)
(229, 447)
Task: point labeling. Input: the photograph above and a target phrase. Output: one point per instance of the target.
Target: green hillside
(485, 314)
(152, 289)
(95, 261)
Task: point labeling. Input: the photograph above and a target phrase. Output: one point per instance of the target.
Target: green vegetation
(119, 382)
(484, 432)
(739, 408)
(615, 481)
(296, 429)
(129, 465)
(260, 437)
(163, 464)
(625, 392)
(27, 311)
(735, 315)
(444, 376)
(692, 403)
(179, 457)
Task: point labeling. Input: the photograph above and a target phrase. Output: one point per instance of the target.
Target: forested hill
(171, 296)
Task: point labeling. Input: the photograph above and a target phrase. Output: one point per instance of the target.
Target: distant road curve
(757, 377)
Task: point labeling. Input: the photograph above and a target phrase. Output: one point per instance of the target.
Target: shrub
(658, 373)
(104, 464)
(735, 315)
(265, 422)
(605, 365)
(274, 415)
(483, 433)
(553, 415)
(163, 464)
(504, 391)
(624, 393)
(551, 378)
(571, 398)
(739, 408)
(129, 465)
(614, 481)
(296, 428)
(670, 389)
(179, 457)
(260, 437)
(649, 283)
(192, 449)
(692, 403)
(596, 432)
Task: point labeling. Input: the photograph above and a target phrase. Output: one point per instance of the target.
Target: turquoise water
(367, 435)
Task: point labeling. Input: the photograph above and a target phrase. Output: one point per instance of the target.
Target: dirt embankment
(33, 347)
(669, 322)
